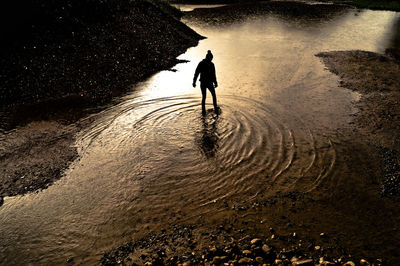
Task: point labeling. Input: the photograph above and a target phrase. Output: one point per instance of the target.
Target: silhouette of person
(208, 80)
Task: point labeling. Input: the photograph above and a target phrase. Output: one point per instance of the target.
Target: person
(208, 80)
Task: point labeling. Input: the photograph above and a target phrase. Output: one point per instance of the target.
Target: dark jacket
(206, 69)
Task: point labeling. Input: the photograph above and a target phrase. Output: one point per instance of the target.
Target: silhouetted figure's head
(209, 55)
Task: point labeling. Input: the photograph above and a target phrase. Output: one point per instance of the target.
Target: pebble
(317, 247)
(364, 262)
(349, 263)
(218, 260)
(278, 262)
(303, 262)
(245, 260)
(259, 259)
(266, 249)
(246, 252)
(255, 241)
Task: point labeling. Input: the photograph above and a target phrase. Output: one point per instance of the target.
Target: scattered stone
(259, 259)
(255, 241)
(317, 248)
(322, 235)
(278, 262)
(213, 249)
(266, 249)
(218, 260)
(349, 263)
(364, 262)
(245, 260)
(303, 262)
(246, 252)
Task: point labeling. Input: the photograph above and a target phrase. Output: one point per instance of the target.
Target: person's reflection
(208, 141)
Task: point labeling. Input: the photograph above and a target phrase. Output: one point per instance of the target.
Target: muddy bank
(377, 78)
(58, 77)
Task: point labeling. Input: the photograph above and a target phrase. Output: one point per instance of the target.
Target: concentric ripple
(179, 156)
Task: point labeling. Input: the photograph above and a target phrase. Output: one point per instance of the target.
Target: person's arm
(196, 74)
(214, 76)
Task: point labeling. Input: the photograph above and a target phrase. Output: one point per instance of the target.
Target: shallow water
(152, 159)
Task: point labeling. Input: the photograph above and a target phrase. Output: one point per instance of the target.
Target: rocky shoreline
(225, 248)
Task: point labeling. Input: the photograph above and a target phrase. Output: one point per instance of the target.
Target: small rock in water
(349, 263)
(322, 235)
(317, 247)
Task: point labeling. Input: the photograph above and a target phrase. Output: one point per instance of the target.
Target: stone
(349, 263)
(259, 259)
(245, 260)
(148, 263)
(322, 235)
(255, 241)
(266, 249)
(213, 249)
(219, 259)
(304, 262)
(278, 262)
(364, 262)
(317, 247)
(246, 252)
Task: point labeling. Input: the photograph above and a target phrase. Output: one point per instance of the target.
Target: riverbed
(151, 159)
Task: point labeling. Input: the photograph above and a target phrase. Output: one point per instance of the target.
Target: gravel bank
(57, 76)
(377, 78)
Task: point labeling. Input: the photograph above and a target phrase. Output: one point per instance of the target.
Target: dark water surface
(152, 159)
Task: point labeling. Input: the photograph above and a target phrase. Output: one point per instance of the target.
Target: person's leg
(203, 100)
(212, 90)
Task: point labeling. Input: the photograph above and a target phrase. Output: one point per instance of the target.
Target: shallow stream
(153, 159)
